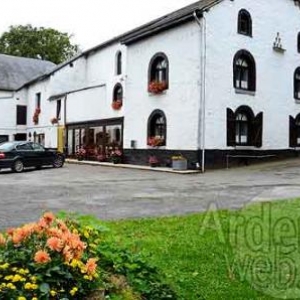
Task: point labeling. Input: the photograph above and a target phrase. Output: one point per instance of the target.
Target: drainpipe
(201, 119)
(65, 128)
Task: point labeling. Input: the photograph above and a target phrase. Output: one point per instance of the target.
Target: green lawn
(247, 254)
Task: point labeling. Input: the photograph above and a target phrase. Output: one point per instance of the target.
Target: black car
(20, 155)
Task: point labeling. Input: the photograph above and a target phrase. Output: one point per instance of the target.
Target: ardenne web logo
(262, 247)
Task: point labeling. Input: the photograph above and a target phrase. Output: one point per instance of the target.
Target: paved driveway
(113, 193)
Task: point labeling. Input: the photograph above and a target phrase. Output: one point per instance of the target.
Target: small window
(157, 129)
(241, 129)
(58, 109)
(244, 128)
(295, 131)
(21, 114)
(297, 84)
(158, 80)
(117, 97)
(244, 23)
(3, 138)
(119, 63)
(244, 71)
(38, 100)
(20, 137)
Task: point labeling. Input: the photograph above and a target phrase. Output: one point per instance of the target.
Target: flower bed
(46, 259)
(69, 258)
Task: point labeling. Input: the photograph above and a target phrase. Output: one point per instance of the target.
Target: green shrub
(71, 259)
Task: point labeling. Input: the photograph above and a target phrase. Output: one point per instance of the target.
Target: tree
(41, 43)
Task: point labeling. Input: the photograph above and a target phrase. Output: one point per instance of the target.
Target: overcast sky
(91, 21)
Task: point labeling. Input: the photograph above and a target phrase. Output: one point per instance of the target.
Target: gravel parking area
(114, 193)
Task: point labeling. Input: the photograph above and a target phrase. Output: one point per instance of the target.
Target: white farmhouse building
(14, 72)
(217, 78)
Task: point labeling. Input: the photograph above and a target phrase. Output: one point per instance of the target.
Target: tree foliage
(41, 43)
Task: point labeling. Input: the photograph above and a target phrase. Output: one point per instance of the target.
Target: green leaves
(40, 43)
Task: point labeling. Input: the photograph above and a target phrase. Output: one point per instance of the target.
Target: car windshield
(7, 146)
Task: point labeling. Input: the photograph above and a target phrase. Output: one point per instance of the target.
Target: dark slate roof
(15, 71)
(180, 16)
(176, 18)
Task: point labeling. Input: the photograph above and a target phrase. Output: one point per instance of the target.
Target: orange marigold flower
(91, 266)
(55, 232)
(55, 244)
(2, 240)
(42, 257)
(67, 253)
(62, 226)
(48, 217)
(18, 235)
(10, 231)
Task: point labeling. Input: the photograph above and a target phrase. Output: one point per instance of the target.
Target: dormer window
(244, 23)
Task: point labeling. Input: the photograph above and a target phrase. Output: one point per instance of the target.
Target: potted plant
(157, 87)
(116, 156)
(153, 161)
(179, 162)
(80, 154)
(155, 141)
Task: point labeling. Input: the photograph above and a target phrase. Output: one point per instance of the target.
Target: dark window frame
(21, 117)
(118, 92)
(58, 109)
(157, 72)
(245, 23)
(155, 129)
(294, 126)
(119, 63)
(38, 97)
(297, 84)
(298, 42)
(254, 127)
(240, 71)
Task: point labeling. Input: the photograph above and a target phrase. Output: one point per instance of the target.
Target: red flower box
(117, 104)
(157, 87)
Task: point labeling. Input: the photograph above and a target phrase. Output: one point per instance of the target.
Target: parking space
(114, 193)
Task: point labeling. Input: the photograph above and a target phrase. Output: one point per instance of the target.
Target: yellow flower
(16, 278)
(73, 291)
(11, 286)
(53, 293)
(9, 277)
(4, 266)
(34, 298)
(21, 298)
(33, 279)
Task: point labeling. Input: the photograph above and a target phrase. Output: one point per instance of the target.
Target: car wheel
(18, 166)
(58, 161)
(38, 167)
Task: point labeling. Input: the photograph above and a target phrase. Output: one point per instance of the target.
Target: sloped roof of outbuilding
(16, 71)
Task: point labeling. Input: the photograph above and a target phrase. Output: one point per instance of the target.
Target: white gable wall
(180, 102)
(274, 71)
